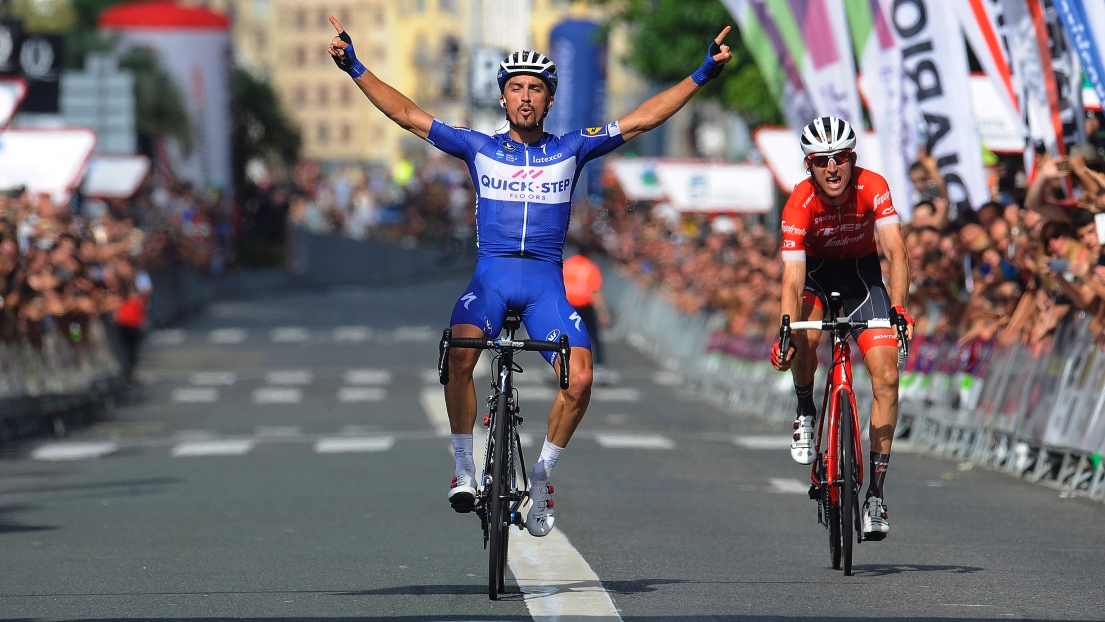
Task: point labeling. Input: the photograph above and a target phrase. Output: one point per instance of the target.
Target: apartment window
(346, 133)
(323, 132)
(447, 6)
(323, 96)
(346, 94)
(299, 56)
(300, 19)
(299, 96)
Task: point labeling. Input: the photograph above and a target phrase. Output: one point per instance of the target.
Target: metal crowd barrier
(1034, 413)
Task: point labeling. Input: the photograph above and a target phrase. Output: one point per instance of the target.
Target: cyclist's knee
(579, 383)
(884, 380)
(462, 361)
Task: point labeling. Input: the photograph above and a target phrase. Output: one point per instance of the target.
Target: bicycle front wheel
(498, 520)
(848, 510)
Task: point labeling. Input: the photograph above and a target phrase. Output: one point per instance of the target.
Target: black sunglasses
(840, 157)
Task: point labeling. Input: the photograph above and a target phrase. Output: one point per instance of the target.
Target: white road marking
(277, 395)
(557, 583)
(789, 486)
(214, 378)
(359, 430)
(349, 444)
(362, 394)
(667, 379)
(612, 440)
(201, 395)
(415, 333)
(212, 448)
(227, 336)
(429, 376)
(369, 376)
(762, 442)
(540, 393)
(73, 451)
(527, 440)
(433, 402)
(289, 334)
(167, 337)
(278, 431)
(352, 333)
(290, 376)
(193, 435)
(616, 394)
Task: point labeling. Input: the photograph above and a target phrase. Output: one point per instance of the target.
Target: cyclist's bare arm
(794, 281)
(893, 246)
(660, 107)
(396, 106)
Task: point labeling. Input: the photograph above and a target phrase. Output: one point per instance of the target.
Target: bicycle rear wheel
(498, 521)
(848, 510)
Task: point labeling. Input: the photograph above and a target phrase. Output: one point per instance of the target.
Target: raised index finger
(337, 26)
(718, 41)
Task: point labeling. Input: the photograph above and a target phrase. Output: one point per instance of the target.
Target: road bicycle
(837, 473)
(499, 498)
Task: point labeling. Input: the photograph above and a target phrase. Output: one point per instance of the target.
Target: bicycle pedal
(463, 508)
(814, 492)
(873, 537)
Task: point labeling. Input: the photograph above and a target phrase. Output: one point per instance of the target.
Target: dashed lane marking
(789, 486)
(214, 378)
(167, 337)
(73, 451)
(362, 394)
(368, 376)
(354, 334)
(414, 333)
(762, 442)
(633, 441)
(278, 431)
(667, 379)
(226, 336)
(339, 445)
(212, 448)
(616, 394)
(433, 402)
(277, 395)
(195, 395)
(556, 582)
(289, 334)
(290, 376)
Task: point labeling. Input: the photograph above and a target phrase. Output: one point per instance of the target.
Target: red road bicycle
(837, 473)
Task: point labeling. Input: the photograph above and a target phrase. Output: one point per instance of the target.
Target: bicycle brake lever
(565, 355)
(443, 357)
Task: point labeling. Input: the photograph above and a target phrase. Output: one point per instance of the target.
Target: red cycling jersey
(812, 226)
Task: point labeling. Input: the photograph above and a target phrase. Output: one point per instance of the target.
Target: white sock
(542, 471)
(462, 453)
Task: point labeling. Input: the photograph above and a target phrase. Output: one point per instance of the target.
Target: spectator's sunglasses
(822, 160)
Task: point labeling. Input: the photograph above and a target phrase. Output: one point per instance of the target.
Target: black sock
(806, 407)
(879, 464)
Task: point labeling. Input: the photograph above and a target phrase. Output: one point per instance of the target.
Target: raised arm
(660, 107)
(392, 103)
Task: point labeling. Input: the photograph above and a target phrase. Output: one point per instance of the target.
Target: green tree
(261, 128)
(670, 36)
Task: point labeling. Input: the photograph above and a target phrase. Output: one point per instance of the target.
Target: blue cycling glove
(349, 63)
(710, 69)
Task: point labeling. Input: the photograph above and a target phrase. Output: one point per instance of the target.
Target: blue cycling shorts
(532, 287)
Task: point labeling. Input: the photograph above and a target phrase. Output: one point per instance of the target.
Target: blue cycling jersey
(524, 191)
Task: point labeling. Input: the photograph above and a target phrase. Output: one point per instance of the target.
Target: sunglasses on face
(840, 157)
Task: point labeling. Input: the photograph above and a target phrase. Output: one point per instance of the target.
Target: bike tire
(498, 522)
(848, 513)
(834, 535)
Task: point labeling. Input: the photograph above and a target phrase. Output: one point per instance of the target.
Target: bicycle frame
(838, 386)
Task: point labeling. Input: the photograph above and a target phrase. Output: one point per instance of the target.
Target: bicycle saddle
(512, 321)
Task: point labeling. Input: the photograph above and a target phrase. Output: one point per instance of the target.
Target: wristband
(349, 63)
(710, 68)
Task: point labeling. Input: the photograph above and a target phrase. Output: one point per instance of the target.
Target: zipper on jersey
(525, 206)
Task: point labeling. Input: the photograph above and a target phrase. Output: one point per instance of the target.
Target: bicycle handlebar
(848, 325)
(502, 343)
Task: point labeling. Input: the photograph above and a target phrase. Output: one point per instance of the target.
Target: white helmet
(530, 63)
(827, 135)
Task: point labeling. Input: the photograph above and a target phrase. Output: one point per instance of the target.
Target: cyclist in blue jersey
(524, 180)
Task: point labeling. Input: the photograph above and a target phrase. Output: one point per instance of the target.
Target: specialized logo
(554, 335)
(486, 325)
(468, 298)
(577, 318)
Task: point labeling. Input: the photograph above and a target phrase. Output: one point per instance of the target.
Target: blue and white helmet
(528, 62)
(827, 135)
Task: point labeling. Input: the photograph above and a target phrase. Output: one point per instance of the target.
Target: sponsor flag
(936, 65)
(1066, 72)
(892, 106)
(1028, 64)
(1085, 26)
(766, 45)
(982, 21)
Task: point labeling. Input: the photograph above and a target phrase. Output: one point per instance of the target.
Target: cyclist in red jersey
(829, 228)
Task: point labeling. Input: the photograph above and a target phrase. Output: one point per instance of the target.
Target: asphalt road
(284, 460)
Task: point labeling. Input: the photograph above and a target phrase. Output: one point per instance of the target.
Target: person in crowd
(522, 224)
(583, 288)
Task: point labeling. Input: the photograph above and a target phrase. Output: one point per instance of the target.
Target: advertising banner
(936, 64)
(579, 51)
(44, 161)
(983, 23)
(115, 176)
(1085, 26)
(709, 187)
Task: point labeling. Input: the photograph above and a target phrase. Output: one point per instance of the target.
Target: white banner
(44, 161)
(1024, 49)
(999, 129)
(637, 177)
(12, 91)
(935, 59)
(115, 176)
(782, 153)
(707, 187)
(828, 69)
(1067, 70)
(982, 22)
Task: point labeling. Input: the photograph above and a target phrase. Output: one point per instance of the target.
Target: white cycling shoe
(876, 520)
(462, 492)
(541, 517)
(801, 448)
